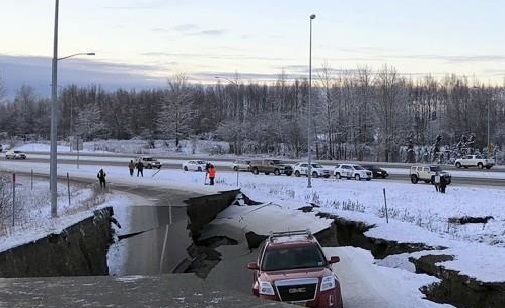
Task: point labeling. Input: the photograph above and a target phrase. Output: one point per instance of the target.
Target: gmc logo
(296, 290)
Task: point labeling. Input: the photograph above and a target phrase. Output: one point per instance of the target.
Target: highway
(398, 171)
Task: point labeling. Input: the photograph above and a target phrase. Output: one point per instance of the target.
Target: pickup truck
(268, 166)
(478, 161)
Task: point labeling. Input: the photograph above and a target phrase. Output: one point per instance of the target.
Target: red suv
(293, 268)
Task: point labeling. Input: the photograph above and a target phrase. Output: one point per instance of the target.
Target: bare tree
(2, 89)
(328, 106)
(88, 122)
(386, 86)
(177, 109)
(364, 96)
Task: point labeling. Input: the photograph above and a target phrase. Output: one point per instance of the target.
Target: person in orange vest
(212, 174)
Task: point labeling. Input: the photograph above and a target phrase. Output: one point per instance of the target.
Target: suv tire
(414, 179)
(458, 165)
(235, 168)
(337, 176)
(277, 172)
(185, 168)
(480, 166)
(297, 173)
(314, 174)
(255, 171)
(357, 177)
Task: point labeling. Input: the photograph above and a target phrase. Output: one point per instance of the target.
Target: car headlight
(327, 283)
(266, 288)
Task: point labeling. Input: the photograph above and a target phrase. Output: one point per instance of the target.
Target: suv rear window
(282, 258)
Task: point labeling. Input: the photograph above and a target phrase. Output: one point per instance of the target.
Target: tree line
(357, 114)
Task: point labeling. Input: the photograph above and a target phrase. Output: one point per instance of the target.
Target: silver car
(241, 165)
(15, 155)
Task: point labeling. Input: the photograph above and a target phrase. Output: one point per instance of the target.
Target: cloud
(145, 4)
(381, 54)
(196, 30)
(213, 56)
(212, 32)
(186, 27)
(36, 72)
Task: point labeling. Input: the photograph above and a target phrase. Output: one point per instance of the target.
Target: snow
(417, 213)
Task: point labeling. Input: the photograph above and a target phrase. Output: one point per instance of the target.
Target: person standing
(443, 184)
(140, 168)
(212, 174)
(131, 166)
(436, 181)
(101, 178)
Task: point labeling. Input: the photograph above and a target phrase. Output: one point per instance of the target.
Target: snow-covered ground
(417, 213)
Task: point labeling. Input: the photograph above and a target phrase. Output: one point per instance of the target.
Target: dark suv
(292, 268)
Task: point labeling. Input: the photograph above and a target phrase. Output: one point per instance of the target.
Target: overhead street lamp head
(77, 54)
(312, 16)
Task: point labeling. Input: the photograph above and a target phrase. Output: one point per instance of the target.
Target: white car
(316, 170)
(15, 155)
(194, 165)
(350, 171)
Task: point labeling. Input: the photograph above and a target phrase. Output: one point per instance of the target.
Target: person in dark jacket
(443, 184)
(101, 178)
(140, 168)
(131, 166)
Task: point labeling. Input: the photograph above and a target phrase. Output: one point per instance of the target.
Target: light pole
(237, 101)
(309, 118)
(54, 123)
(54, 115)
(488, 144)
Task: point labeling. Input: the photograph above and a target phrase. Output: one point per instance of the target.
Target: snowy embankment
(417, 214)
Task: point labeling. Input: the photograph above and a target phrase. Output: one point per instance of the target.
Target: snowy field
(417, 213)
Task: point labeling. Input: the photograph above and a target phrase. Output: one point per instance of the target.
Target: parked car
(195, 165)
(15, 155)
(316, 170)
(377, 172)
(148, 162)
(350, 171)
(241, 165)
(427, 174)
(292, 267)
(268, 166)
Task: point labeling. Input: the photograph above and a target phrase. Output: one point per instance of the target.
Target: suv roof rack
(306, 232)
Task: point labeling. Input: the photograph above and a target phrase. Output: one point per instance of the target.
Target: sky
(141, 43)
(418, 214)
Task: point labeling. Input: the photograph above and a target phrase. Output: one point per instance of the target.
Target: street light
(309, 139)
(54, 114)
(237, 99)
(78, 54)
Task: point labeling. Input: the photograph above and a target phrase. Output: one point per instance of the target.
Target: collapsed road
(155, 239)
